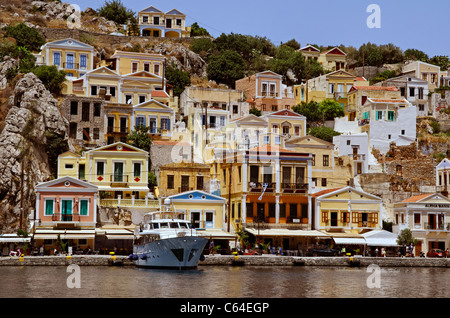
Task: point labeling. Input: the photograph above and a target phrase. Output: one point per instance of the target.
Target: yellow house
(334, 85)
(331, 60)
(72, 56)
(155, 115)
(327, 170)
(124, 62)
(287, 123)
(156, 23)
(119, 170)
(183, 176)
(346, 210)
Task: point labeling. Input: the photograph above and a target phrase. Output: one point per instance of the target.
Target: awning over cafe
(216, 234)
(286, 232)
(380, 238)
(13, 238)
(349, 241)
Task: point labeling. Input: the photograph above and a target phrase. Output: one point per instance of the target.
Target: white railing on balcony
(131, 203)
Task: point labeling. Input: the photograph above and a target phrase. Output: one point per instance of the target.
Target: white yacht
(166, 240)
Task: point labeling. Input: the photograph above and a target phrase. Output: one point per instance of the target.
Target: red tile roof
(378, 88)
(159, 94)
(417, 198)
(318, 194)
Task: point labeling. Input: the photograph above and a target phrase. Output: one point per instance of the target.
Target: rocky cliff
(33, 111)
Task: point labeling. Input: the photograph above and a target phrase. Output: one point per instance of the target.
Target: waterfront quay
(231, 260)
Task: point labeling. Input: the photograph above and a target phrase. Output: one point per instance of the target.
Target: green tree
(152, 180)
(255, 111)
(133, 26)
(416, 55)
(287, 59)
(323, 132)
(177, 78)
(310, 111)
(197, 30)
(226, 68)
(25, 36)
(54, 146)
(330, 109)
(140, 138)
(442, 61)
(202, 46)
(383, 76)
(293, 44)
(405, 237)
(50, 77)
(115, 11)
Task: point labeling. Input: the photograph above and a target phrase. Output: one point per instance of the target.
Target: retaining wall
(230, 260)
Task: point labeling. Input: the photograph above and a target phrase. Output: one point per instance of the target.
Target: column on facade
(277, 191)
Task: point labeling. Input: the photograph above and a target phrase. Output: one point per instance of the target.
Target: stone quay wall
(230, 260)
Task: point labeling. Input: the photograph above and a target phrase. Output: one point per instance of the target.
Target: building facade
(427, 216)
(66, 210)
(266, 92)
(156, 23)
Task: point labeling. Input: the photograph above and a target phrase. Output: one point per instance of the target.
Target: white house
(356, 146)
(387, 121)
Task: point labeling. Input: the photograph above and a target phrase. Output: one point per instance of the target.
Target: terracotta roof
(378, 88)
(159, 94)
(318, 194)
(417, 198)
(379, 100)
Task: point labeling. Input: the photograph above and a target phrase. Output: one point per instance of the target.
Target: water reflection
(224, 282)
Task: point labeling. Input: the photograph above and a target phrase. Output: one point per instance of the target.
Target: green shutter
(48, 207)
(67, 207)
(83, 207)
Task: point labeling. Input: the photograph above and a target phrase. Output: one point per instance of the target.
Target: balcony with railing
(269, 94)
(65, 217)
(294, 187)
(436, 226)
(118, 180)
(131, 203)
(71, 66)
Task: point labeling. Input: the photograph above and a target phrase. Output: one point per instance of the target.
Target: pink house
(66, 211)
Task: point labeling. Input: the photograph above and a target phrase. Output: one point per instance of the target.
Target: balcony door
(118, 172)
(286, 177)
(66, 210)
(70, 61)
(254, 174)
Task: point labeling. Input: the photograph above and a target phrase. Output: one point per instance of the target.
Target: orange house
(66, 212)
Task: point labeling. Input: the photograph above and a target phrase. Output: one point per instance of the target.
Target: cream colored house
(425, 71)
(156, 23)
(427, 216)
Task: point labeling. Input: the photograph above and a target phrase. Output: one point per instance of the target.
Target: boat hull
(178, 253)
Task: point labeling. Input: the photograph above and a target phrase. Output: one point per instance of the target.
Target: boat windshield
(184, 225)
(173, 225)
(164, 225)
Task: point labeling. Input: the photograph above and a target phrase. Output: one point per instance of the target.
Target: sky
(419, 24)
